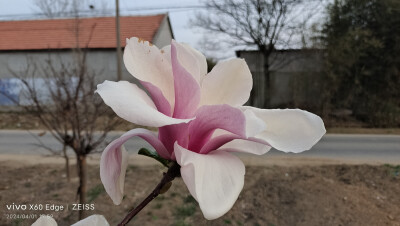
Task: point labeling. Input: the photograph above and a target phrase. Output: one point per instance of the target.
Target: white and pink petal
(114, 161)
(133, 104)
(161, 103)
(215, 180)
(212, 117)
(236, 143)
(191, 59)
(187, 89)
(147, 63)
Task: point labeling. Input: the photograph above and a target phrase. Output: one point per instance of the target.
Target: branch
(173, 171)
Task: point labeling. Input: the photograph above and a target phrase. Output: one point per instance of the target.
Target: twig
(173, 171)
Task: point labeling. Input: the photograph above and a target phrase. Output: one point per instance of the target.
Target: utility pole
(119, 53)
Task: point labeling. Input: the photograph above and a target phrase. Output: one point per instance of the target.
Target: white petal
(246, 146)
(147, 63)
(93, 220)
(131, 103)
(229, 82)
(214, 180)
(166, 51)
(45, 221)
(254, 125)
(290, 130)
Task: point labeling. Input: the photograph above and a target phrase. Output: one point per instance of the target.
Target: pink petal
(210, 118)
(229, 82)
(187, 90)
(114, 161)
(214, 180)
(149, 64)
(168, 135)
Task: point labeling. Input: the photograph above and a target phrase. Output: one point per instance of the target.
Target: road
(360, 148)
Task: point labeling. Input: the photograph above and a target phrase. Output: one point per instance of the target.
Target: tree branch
(173, 171)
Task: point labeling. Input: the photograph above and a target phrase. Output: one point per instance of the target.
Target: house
(295, 77)
(41, 39)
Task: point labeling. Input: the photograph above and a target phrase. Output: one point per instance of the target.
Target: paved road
(361, 148)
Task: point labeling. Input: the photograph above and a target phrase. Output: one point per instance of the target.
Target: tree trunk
(252, 95)
(82, 168)
(66, 162)
(267, 84)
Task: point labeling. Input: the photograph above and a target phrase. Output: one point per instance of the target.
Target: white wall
(164, 35)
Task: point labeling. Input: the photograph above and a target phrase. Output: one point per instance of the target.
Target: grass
(227, 221)
(394, 170)
(28, 185)
(185, 211)
(158, 206)
(188, 209)
(189, 199)
(17, 222)
(95, 192)
(180, 223)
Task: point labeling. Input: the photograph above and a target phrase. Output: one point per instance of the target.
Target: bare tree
(62, 96)
(53, 8)
(261, 24)
(71, 8)
(60, 92)
(63, 151)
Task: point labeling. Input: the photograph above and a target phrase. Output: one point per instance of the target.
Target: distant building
(294, 76)
(41, 39)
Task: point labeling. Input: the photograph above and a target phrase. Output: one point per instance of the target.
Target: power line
(109, 11)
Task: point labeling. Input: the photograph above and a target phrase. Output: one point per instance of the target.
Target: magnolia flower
(201, 121)
(93, 220)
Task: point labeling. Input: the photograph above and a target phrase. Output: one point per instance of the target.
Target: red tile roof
(59, 33)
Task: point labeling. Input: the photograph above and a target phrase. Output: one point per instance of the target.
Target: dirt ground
(299, 194)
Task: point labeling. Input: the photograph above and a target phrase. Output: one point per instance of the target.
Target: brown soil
(272, 195)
